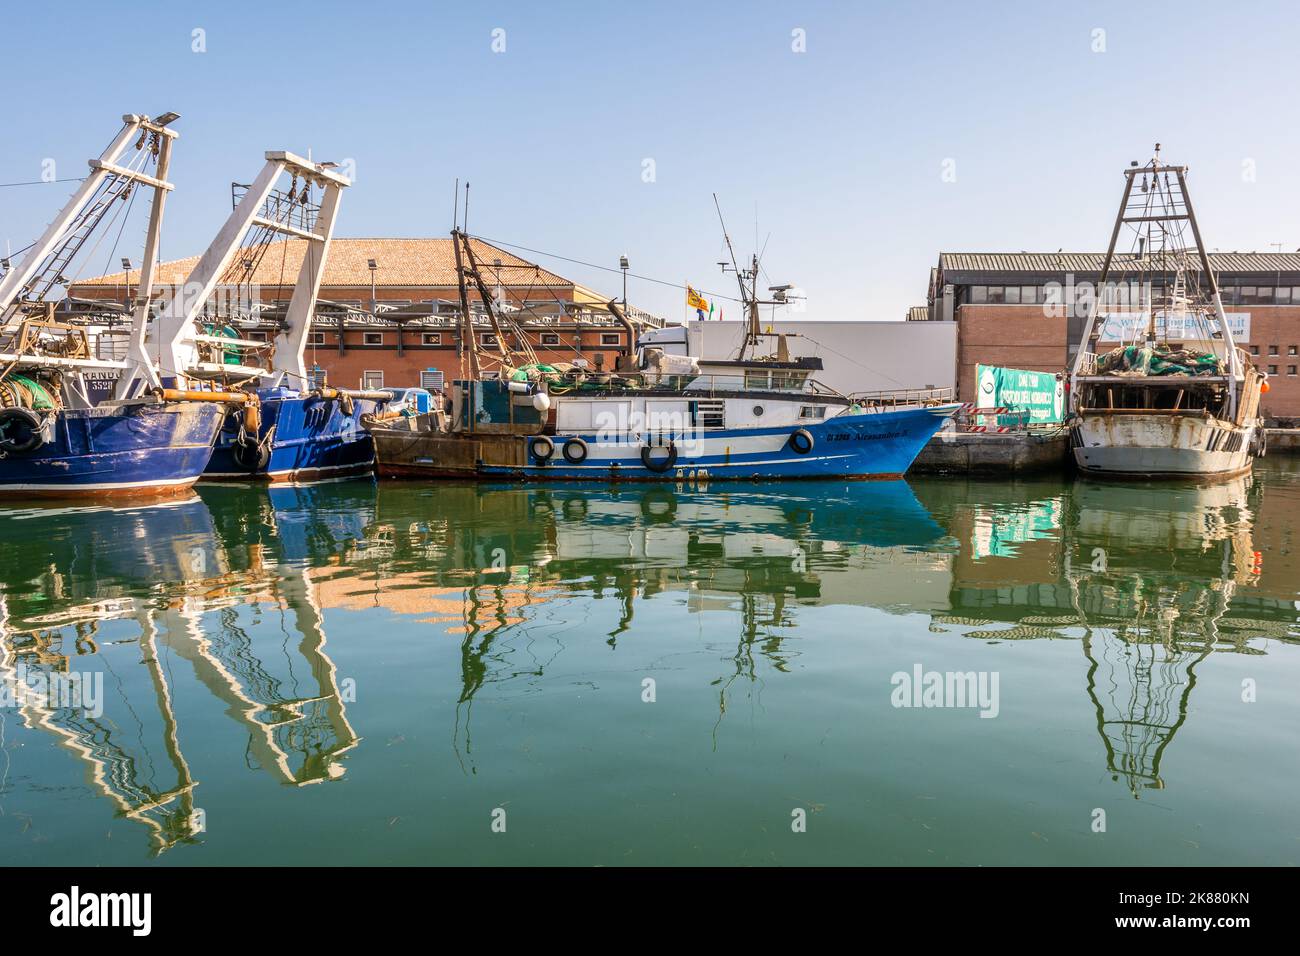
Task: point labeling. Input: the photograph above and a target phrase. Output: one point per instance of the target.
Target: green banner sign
(1042, 394)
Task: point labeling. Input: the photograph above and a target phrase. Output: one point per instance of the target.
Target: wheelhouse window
(710, 414)
(812, 412)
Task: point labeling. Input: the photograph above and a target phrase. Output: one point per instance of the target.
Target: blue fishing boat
(283, 424)
(55, 439)
(303, 437)
(133, 448)
(656, 416)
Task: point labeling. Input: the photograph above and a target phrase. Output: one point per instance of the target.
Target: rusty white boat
(1177, 398)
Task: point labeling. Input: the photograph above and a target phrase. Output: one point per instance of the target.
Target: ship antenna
(746, 298)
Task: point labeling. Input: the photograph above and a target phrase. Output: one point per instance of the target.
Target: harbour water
(361, 673)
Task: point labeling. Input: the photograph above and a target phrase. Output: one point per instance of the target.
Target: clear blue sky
(839, 150)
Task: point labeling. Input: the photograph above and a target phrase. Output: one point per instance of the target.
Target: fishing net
(1140, 360)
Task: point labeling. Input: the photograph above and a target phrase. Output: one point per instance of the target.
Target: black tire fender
(661, 465)
(575, 451)
(541, 448)
(251, 456)
(801, 441)
(26, 421)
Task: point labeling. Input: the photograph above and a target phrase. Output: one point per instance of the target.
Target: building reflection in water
(236, 583)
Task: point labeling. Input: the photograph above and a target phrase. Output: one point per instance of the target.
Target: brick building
(388, 310)
(1001, 304)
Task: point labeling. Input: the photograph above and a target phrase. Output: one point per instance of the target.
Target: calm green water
(361, 674)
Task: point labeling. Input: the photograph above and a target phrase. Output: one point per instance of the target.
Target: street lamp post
(622, 264)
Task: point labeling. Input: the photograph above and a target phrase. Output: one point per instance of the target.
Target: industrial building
(1012, 310)
(387, 313)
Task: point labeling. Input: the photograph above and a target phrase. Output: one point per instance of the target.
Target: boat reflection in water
(181, 586)
(540, 585)
(486, 558)
(1150, 579)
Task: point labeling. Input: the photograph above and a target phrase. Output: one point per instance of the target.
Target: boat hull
(872, 445)
(137, 450)
(313, 439)
(1160, 446)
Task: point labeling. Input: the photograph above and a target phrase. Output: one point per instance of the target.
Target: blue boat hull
(139, 449)
(870, 445)
(314, 438)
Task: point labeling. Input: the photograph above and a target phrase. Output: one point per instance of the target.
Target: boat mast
(285, 213)
(1172, 206)
(111, 178)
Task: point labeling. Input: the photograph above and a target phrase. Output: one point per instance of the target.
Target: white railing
(890, 397)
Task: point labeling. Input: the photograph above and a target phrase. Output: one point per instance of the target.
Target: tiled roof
(402, 262)
(1090, 262)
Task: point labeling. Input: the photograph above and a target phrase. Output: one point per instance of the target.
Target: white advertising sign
(1127, 326)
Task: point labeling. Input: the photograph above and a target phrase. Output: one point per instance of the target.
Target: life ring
(541, 448)
(21, 431)
(801, 441)
(575, 451)
(663, 464)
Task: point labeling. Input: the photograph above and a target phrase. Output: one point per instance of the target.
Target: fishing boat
(285, 425)
(1177, 398)
(55, 439)
(654, 417)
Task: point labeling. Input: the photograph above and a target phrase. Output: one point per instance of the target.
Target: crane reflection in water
(170, 579)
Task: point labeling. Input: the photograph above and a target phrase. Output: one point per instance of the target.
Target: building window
(1012, 294)
(996, 294)
(488, 339)
(1029, 294)
(431, 338)
(432, 379)
(256, 336)
(550, 338)
(1254, 350)
(372, 338)
(1290, 370)
(1272, 370)
(1283, 295)
(315, 338)
(1264, 294)
(1291, 350)
(1272, 350)
(610, 338)
(372, 379)
(979, 294)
